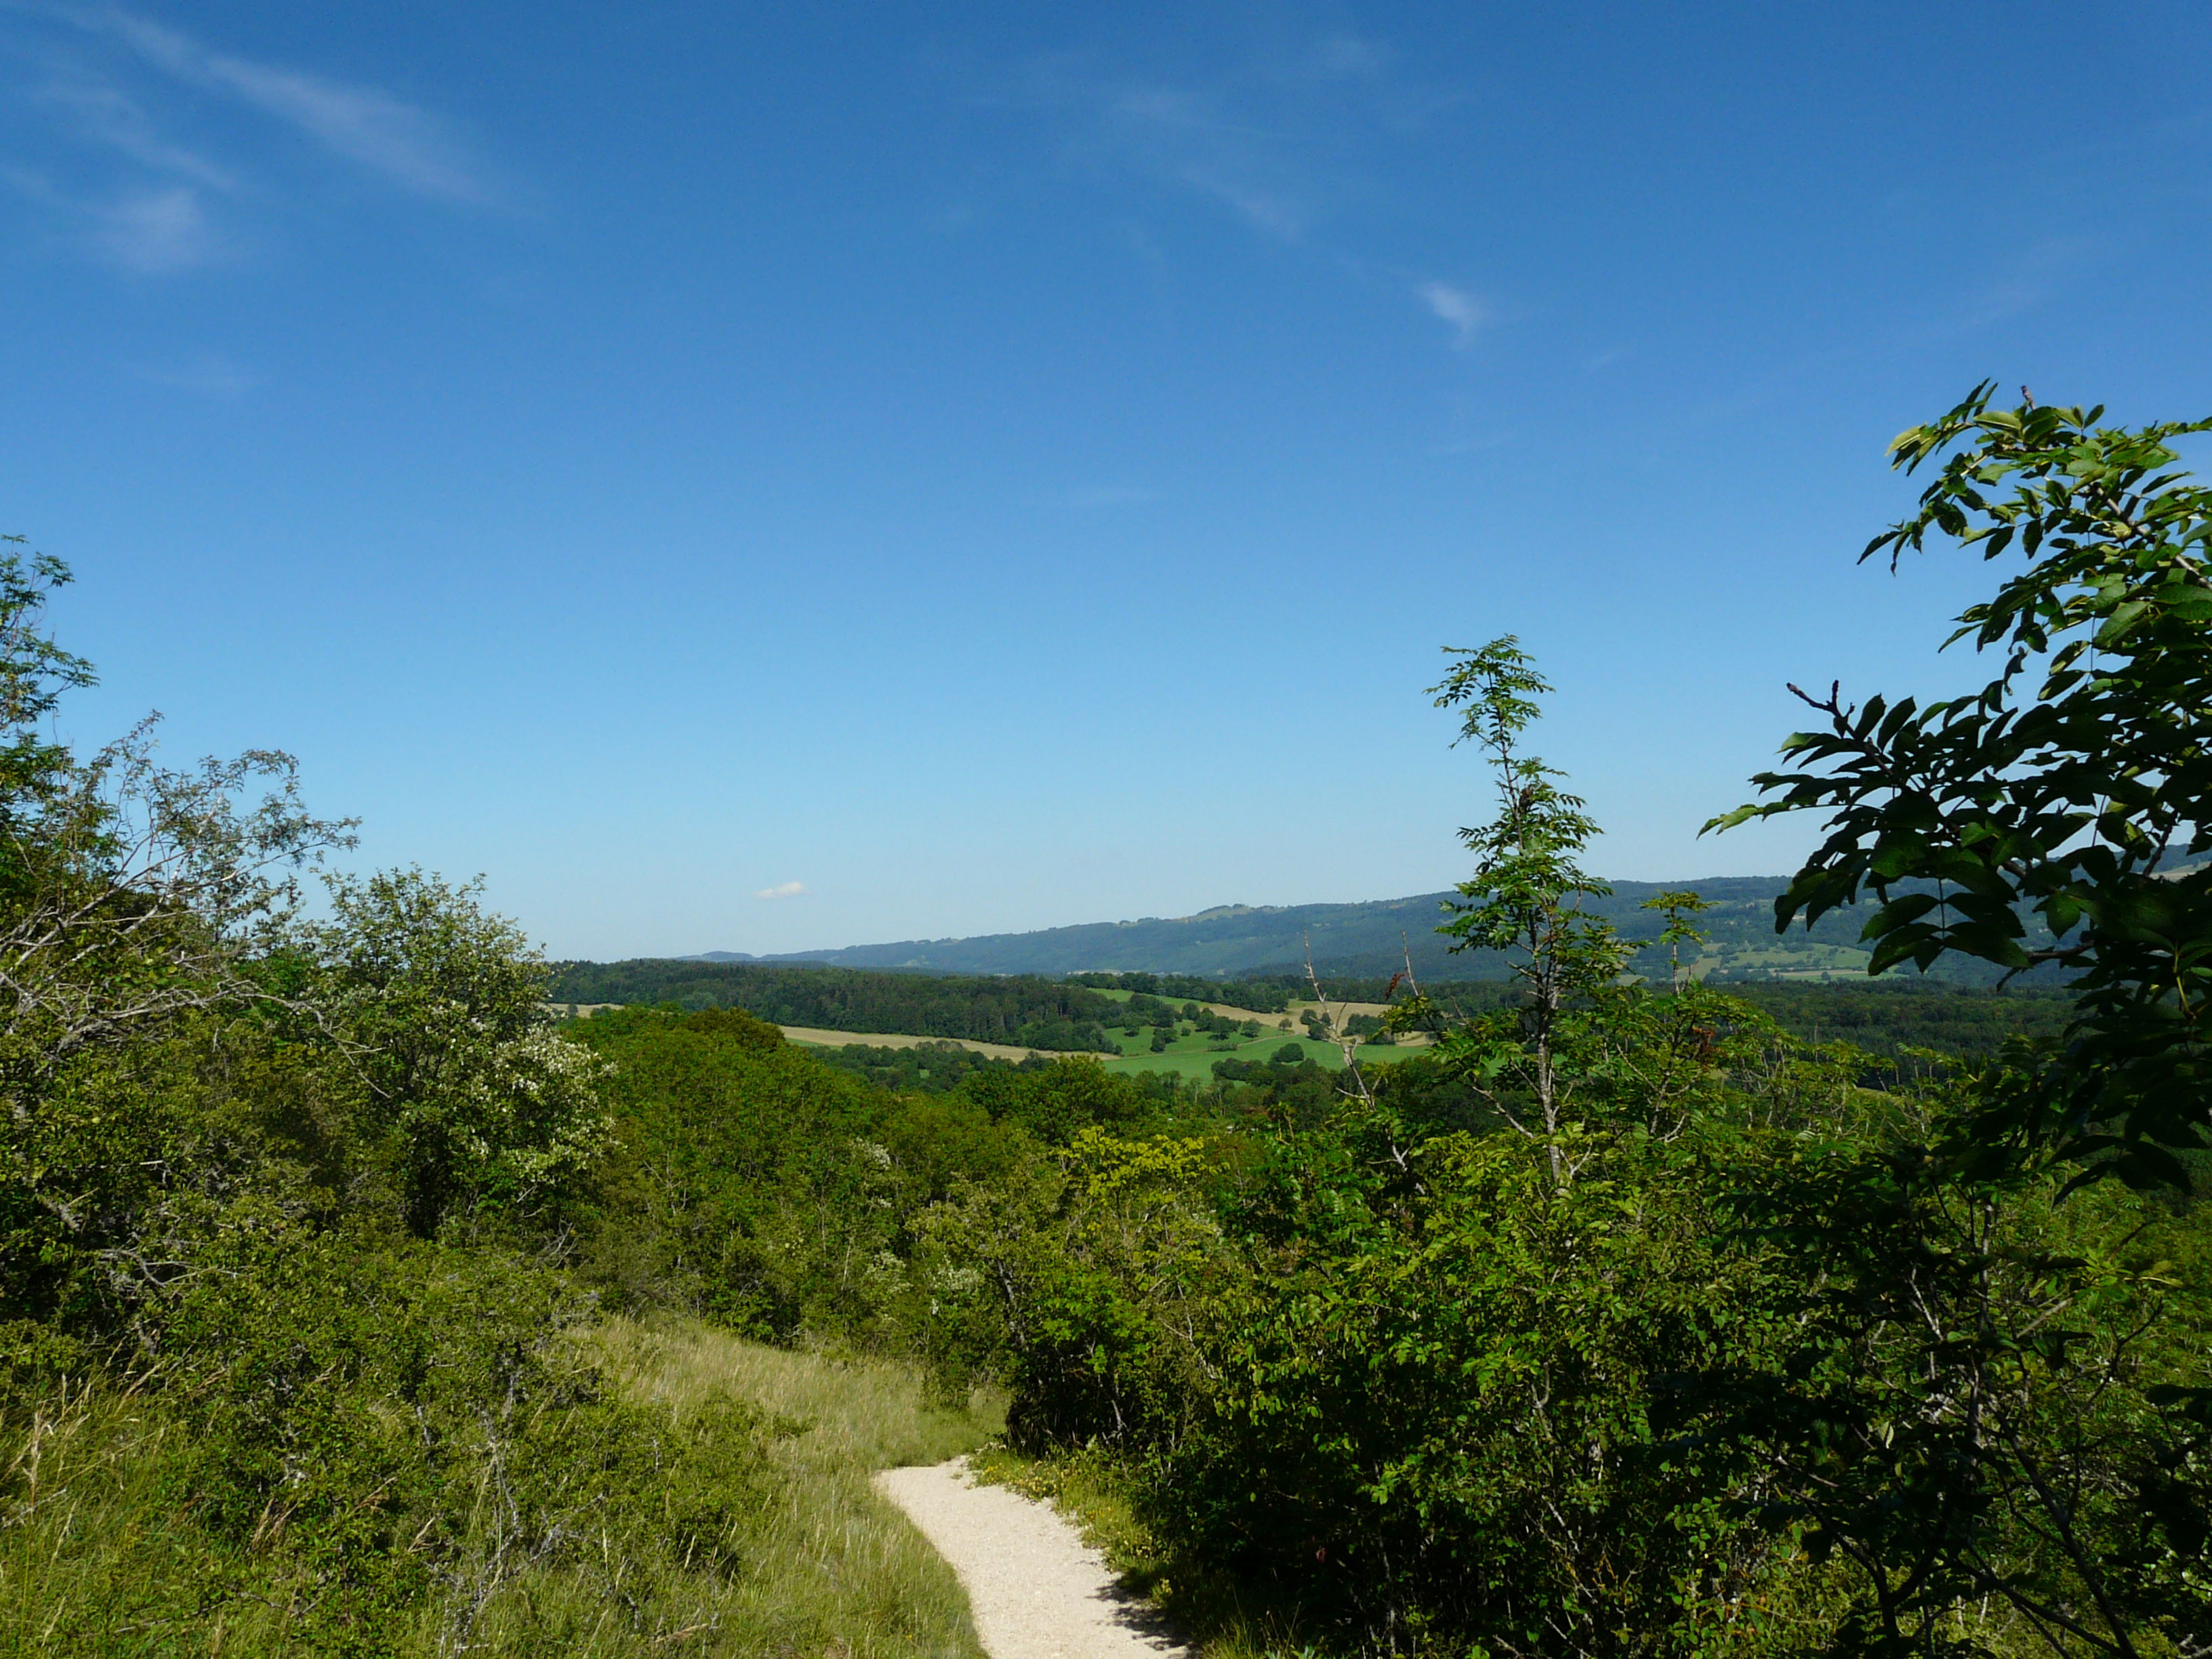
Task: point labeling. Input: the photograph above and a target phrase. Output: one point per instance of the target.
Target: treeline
(1888, 1017)
(1024, 1011)
(1882, 1017)
(1740, 944)
(1267, 996)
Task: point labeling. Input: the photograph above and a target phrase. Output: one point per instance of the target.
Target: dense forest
(1261, 994)
(1021, 1009)
(1887, 1018)
(349, 1305)
(1884, 1016)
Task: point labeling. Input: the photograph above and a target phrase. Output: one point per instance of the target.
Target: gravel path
(1036, 1589)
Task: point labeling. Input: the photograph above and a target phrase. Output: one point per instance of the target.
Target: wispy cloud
(108, 115)
(1466, 314)
(782, 891)
(407, 145)
(1275, 211)
(1193, 138)
(210, 373)
(1266, 136)
(158, 231)
(144, 101)
(155, 229)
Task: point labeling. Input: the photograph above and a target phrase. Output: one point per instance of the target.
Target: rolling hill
(1233, 940)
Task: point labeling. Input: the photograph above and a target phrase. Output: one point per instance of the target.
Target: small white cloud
(785, 889)
(1457, 307)
(158, 230)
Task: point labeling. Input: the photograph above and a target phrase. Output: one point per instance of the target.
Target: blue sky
(766, 477)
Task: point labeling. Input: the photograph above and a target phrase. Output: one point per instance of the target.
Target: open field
(817, 1037)
(1194, 1057)
(1223, 1009)
(1190, 1056)
(1790, 958)
(1286, 1021)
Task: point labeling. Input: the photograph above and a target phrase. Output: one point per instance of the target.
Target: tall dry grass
(94, 1559)
(835, 1570)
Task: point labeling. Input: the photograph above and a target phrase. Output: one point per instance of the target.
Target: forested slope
(1233, 941)
(1021, 1009)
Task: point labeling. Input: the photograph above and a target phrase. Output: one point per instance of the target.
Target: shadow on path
(1036, 1590)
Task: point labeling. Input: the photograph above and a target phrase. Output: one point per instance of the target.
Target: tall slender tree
(1522, 899)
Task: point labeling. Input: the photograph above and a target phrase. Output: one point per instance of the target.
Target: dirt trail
(1036, 1589)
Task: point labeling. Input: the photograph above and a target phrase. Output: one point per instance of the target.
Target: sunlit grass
(835, 1569)
(92, 1559)
(97, 1557)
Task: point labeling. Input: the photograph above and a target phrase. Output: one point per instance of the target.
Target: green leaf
(2123, 619)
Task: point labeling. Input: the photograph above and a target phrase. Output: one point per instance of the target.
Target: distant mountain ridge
(1222, 942)
(1232, 940)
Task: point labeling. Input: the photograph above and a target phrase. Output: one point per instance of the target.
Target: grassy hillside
(98, 1548)
(834, 1569)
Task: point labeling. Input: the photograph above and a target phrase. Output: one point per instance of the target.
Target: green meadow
(1194, 1057)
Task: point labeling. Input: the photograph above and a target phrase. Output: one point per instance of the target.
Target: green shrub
(1432, 1426)
(390, 1442)
(1082, 1279)
(1058, 1102)
(739, 1185)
